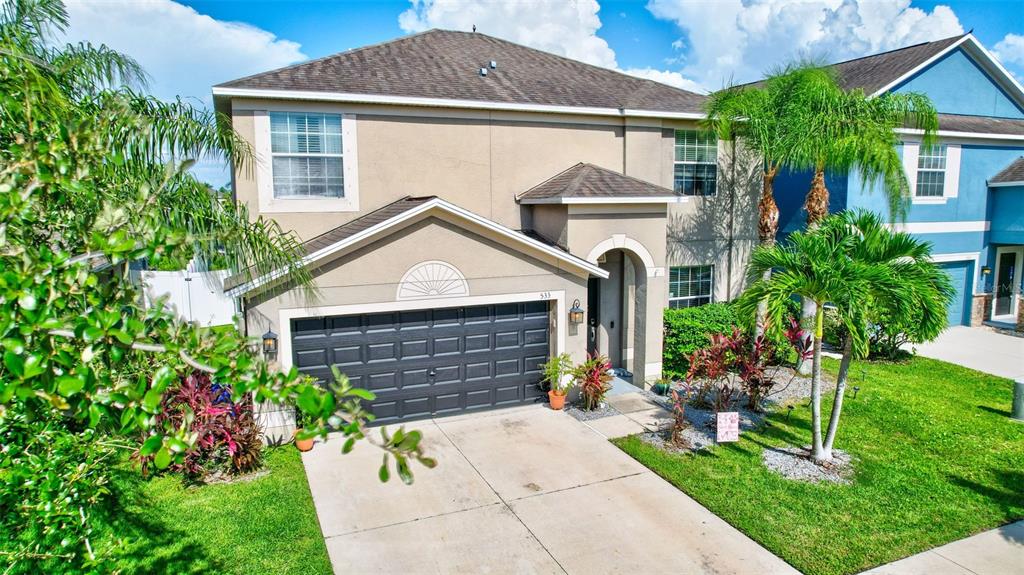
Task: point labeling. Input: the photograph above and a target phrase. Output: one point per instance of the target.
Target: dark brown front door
(429, 362)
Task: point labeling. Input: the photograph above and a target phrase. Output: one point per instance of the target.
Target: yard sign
(728, 427)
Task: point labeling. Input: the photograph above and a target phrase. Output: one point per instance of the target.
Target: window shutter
(952, 184)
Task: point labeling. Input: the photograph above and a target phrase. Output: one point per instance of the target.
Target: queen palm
(854, 263)
(759, 116)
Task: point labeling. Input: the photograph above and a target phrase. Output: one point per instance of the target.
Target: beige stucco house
(459, 194)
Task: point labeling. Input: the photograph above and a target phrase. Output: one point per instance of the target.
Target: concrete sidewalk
(996, 552)
(980, 349)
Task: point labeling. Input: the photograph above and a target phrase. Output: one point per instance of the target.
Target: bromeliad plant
(753, 363)
(226, 438)
(594, 379)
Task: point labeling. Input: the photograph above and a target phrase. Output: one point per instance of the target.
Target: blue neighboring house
(968, 190)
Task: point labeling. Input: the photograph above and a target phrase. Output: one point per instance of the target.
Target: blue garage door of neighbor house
(959, 309)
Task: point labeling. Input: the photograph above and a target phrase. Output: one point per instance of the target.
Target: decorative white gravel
(795, 463)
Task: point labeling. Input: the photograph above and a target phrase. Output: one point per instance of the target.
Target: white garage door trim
(286, 315)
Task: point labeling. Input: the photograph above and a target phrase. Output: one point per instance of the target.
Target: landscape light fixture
(576, 312)
(985, 270)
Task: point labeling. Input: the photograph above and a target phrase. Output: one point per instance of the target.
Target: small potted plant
(301, 420)
(661, 386)
(556, 375)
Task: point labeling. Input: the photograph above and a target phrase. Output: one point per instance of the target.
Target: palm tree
(854, 263)
(760, 116)
(848, 130)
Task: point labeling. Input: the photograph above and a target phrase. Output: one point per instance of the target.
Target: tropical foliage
(856, 264)
(93, 175)
(593, 377)
(556, 372)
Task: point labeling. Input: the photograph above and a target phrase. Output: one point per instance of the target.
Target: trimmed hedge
(689, 329)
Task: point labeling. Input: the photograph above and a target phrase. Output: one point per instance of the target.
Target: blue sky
(189, 45)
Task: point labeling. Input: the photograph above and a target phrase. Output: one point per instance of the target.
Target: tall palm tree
(760, 116)
(853, 262)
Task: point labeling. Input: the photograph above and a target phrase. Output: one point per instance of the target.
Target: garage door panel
(431, 361)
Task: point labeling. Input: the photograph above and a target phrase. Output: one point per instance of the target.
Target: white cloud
(565, 28)
(184, 52)
(1010, 50)
(667, 77)
(740, 40)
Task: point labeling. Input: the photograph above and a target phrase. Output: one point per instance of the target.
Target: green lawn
(267, 525)
(938, 460)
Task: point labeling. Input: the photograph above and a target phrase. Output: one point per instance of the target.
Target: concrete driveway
(978, 348)
(526, 490)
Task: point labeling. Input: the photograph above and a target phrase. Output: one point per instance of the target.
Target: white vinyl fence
(194, 296)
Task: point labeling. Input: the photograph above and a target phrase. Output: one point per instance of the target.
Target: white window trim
(951, 184)
(711, 293)
(269, 204)
(676, 162)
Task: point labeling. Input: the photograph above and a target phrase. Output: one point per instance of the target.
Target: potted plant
(661, 386)
(556, 374)
(301, 419)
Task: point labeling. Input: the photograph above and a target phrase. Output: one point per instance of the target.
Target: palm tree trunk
(767, 229)
(837, 403)
(817, 451)
(816, 206)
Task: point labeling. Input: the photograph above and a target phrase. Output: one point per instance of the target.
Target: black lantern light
(270, 344)
(576, 312)
(985, 270)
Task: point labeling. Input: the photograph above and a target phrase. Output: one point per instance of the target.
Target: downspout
(732, 218)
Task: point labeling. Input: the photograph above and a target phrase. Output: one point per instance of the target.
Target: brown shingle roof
(872, 73)
(344, 231)
(981, 124)
(446, 64)
(1013, 173)
(590, 181)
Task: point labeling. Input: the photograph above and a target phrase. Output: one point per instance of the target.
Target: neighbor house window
(689, 286)
(696, 163)
(931, 171)
(306, 155)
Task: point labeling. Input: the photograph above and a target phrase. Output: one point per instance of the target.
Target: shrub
(227, 436)
(689, 329)
(833, 330)
(594, 378)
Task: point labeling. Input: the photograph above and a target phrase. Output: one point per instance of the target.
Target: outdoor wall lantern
(270, 344)
(576, 312)
(985, 270)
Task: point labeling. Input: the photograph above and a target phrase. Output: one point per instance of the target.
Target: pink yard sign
(728, 428)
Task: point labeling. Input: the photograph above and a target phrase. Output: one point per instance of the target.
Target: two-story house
(967, 191)
(470, 206)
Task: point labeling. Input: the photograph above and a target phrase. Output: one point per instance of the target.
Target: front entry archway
(617, 311)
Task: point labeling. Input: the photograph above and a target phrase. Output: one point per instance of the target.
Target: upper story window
(931, 171)
(690, 286)
(696, 163)
(306, 151)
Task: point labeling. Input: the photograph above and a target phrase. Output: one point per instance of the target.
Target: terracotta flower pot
(556, 400)
(303, 444)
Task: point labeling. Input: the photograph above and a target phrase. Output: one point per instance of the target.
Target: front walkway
(980, 349)
(525, 490)
(996, 552)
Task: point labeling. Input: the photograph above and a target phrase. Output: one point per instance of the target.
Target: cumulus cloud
(184, 52)
(667, 77)
(740, 40)
(1010, 50)
(557, 26)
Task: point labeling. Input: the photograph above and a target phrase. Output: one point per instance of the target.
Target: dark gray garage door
(429, 362)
